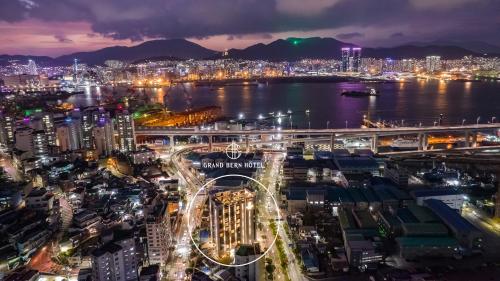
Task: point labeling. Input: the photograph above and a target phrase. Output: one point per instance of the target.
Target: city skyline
(47, 28)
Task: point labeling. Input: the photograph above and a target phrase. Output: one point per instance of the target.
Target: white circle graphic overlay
(190, 230)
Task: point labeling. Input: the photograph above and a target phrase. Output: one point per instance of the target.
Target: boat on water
(370, 93)
(404, 144)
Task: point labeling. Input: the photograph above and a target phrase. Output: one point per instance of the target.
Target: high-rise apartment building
(346, 52)
(115, 261)
(7, 129)
(433, 63)
(356, 59)
(126, 133)
(158, 231)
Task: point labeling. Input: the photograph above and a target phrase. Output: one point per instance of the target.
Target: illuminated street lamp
(493, 119)
(478, 119)
(308, 119)
(241, 116)
(463, 122)
(328, 124)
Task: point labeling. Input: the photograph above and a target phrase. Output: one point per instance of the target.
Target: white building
(450, 197)
(255, 269)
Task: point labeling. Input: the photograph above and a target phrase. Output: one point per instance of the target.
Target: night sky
(55, 27)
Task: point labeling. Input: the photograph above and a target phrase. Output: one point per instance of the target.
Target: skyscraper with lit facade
(344, 67)
(125, 129)
(433, 63)
(232, 217)
(356, 59)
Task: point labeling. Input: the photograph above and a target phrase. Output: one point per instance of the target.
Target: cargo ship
(355, 94)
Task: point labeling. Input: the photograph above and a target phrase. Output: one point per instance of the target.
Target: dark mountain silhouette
(178, 48)
(4, 59)
(291, 49)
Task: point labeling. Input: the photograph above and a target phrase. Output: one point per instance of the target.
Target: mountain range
(290, 49)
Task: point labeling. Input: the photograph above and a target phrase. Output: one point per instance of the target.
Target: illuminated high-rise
(356, 59)
(125, 129)
(7, 129)
(32, 69)
(433, 63)
(232, 217)
(344, 67)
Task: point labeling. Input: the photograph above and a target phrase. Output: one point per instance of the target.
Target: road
(294, 268)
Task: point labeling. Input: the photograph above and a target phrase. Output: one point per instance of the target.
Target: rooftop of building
(107, 248)
(450, 216)
(248, 250)
(427, 192)
(418, 242)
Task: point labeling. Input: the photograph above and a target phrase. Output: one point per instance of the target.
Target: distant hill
(178, 48)
(475, 46)
(291, 49)
(43, 60)
(328, 48)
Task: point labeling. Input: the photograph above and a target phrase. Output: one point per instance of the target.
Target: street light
(493, 119)
(308, 119)
(463, 122)
(478, 119)
(346, 122)
(328, 124)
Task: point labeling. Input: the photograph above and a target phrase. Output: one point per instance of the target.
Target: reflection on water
(414, 101)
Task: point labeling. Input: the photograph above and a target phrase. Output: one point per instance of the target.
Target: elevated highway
(422, 133)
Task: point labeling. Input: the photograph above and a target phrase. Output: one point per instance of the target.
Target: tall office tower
(103, 136)
(68, 134)
(126, 132)
(31, 69)
(75, 70)
(40, 143)
(158, 231)
(433, 63)
(356, 59)
(254, 270)
(115, 261)
(346, 52)
(232, 217)
(7, 129)
(90, 118)
(24, 140)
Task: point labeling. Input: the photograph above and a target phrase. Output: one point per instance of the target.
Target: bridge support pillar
(210, 140)
(474, 139)
(332, 142)
(375, 143)
(467, 139)
(171, 141)
(422, 141)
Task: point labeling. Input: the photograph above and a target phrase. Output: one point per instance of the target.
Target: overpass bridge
(468, 131)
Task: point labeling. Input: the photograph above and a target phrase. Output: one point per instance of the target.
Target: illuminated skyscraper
(75, 70)
(103, 136)
(232, 217)
(32, 70)
(344, 67)
(356, 59)
(90, 118)
(126, 132)
(7, 129)
(433, 63)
